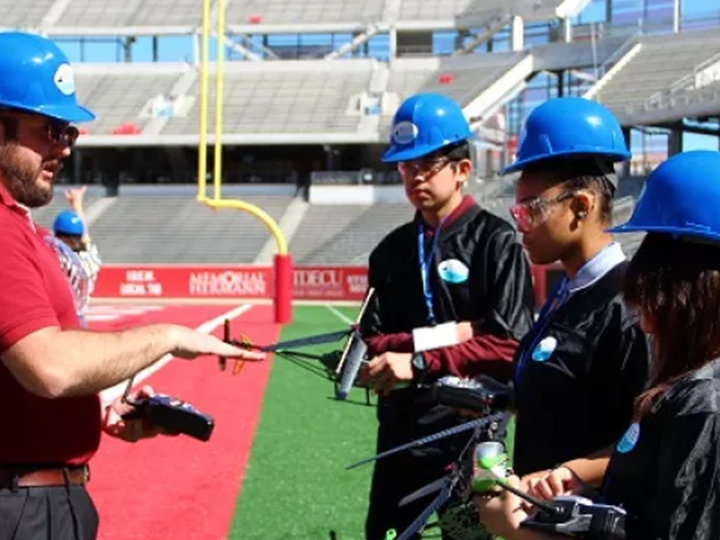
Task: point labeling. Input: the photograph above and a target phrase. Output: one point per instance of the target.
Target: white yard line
(339, 314)
(206, 328)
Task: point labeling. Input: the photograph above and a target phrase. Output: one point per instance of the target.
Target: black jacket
(581, 398)
(665, 471)
(497, 295)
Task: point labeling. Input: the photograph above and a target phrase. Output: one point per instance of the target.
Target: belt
(15, 477)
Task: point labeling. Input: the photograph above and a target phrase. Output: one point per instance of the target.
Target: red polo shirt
(34, 294)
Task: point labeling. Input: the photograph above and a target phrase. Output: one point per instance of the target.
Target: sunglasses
(57, 131)
(62, 133)
(534, 213)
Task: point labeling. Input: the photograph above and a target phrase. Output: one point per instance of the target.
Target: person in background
(71, 228)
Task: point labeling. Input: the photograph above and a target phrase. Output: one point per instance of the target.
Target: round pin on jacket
(544, 350)
(630, 439)
(453, 271)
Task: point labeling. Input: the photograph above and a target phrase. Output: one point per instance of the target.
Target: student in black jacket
(453, 263)
(665, 470)
(579, 370)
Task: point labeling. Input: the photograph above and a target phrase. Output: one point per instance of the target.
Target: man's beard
(21, 178)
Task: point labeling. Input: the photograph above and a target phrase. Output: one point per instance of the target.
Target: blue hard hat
(423, 124)
(68, 223)
(569, 126)
(36, 76)
(680, 197)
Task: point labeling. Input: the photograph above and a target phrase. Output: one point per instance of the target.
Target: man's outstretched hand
(189, 344)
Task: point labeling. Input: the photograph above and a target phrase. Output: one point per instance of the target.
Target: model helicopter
(486, 397)
(341, 366)
(482, 465)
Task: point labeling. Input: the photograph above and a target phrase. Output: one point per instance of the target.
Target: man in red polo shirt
(50, 369)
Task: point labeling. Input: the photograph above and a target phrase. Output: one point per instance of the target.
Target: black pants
(397, 476)
(47, 513)
(392, 480)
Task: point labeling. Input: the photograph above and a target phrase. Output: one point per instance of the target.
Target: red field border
(177, 487)
(247, 282)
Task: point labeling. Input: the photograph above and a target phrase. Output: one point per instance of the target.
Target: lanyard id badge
(425, 263)
(435, 335)
(557, 299)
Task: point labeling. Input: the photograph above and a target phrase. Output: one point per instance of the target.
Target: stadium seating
(23, 15)
(93, 17)
(304, 96)
(347, 100)
(463, 78)
(280, 97)
(46, 214)
(178, 229)
(172, 228)
(308, 12)
(419, 10)
(660, 62)
(345, 234)
(121, 93)
(129, 13)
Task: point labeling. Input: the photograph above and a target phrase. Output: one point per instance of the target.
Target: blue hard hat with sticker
(36, 77)
(69, 223)
(423, 124)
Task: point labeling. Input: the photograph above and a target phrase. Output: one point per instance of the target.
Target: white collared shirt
(600, 264)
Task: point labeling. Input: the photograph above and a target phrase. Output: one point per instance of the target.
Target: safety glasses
(528, 215)
(424, 169)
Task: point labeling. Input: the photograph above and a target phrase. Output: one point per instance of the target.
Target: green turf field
(296, 486)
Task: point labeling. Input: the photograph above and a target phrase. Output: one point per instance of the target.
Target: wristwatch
(419, 365)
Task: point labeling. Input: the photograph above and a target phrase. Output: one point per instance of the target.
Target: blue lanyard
(425, 267)
(552, 304)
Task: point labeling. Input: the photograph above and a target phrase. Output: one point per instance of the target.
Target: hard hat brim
(73, 114)
(521, 164)
(393, 154)
(664, 229)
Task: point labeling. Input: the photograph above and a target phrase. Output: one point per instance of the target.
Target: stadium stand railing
(655, 66)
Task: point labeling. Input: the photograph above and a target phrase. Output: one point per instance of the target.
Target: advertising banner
(228, 282)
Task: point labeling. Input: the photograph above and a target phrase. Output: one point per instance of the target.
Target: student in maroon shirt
(453, 263)
(50, 369)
